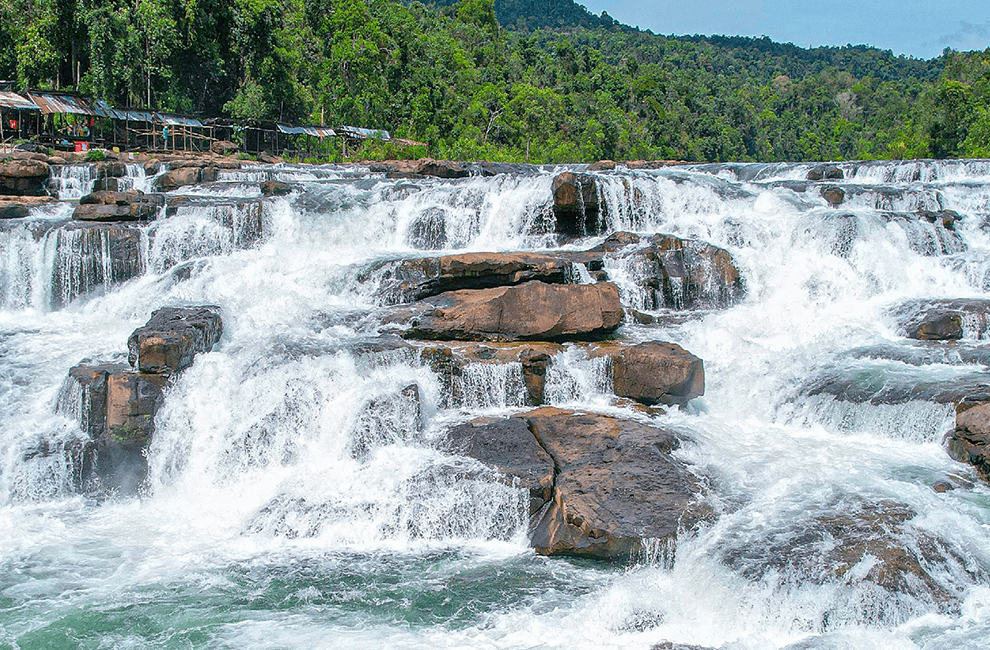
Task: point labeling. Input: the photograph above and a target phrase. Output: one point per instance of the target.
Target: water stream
(298, 498)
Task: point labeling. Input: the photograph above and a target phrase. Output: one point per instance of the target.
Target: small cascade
(72, 182)
(490, 386)
(574, 378)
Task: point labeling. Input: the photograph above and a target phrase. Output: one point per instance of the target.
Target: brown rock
(970, 441)
(834, 194)
(94, 256)
(943, 319)
(133, 399)
(187, 175)
(119, 206)
(576, 205)
(655, 372)
(616, 485)
(602, 165)
(418, 278)
(421, 167)
(825, 172)
(275, 188)
(173, 337)
(10, 210)
(24, 177)
(533, 310)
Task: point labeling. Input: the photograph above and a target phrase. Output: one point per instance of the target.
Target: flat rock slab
(409, 280)
(533, 310)
(119, 206)
(615, 483)
(24, 177)
(173, 337)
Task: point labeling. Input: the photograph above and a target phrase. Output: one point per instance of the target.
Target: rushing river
(257, 528)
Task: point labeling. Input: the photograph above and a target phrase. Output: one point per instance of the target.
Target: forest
(502, 80)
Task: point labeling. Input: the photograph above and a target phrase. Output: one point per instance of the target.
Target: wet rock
(855, 541)
(676, 273)
(825, 172)
(173, 337)
(24, 177)
(654, 373)
(653, 164)
(449, 361)
(133, 399)
(387, 420)
(186, 176)
(969, 442)
(510, 447)
(422, 167)
(119, 206)
(576, 205)
(834, 194)
(10, 210)
(616, 484)
(415, 279)
(886, 384)
(944, 319)
(275, 188)
(601, 166)
(92, 256)
(533, 310)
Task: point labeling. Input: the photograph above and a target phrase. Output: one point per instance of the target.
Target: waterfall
(301, 486)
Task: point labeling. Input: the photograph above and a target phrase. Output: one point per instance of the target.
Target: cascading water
(300, 490)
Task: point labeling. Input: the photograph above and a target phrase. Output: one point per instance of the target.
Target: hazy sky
(921, 28)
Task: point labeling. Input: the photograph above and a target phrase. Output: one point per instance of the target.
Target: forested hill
(454, 78)
(542, 14)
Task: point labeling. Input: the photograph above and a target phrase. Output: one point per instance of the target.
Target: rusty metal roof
(15, 101)
(317, 131)
(62, 104)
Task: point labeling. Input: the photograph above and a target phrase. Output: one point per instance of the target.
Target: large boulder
(576, 205)
(24, 177)
(172, 337)
(421, 167)
(176, 178)
(613, 483)
(20, 207)
(654, 372)
(418, 278)
(530, 311)
(134, 205)
(969, 442)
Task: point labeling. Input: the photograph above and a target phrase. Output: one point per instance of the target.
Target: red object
(13, 124)
(82, 146)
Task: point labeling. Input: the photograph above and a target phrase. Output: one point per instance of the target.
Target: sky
(920, 28)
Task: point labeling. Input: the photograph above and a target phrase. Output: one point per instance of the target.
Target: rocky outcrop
(653, 373)
(834, 194)
(181, 176)
(530, 311)
(944, 319)
(414, 279)
(24, 177)
(420, 168)
(969, 442)
(613, 483)
(272, 187)
(119, 206)
(92, 256)
(825, 172)
(120, 400)
(576, 205)
(173, 337)
(20, 207)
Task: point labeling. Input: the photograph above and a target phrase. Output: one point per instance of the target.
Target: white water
(299, 497)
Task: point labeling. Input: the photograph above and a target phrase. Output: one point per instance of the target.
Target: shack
(13, 110)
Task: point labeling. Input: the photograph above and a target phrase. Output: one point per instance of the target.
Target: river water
(258, 528)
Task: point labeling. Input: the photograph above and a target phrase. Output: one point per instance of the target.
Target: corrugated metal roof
(15, 101)
(62, 104)
(358, 132)
(317, 131)
(104, 109)
(135, 115)
(176, 120)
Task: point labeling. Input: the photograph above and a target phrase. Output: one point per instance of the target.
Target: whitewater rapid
(259, 528)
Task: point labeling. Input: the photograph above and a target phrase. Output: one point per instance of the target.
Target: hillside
(453, 78)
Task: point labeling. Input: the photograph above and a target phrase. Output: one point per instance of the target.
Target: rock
(616, 484)
(508, 446)
(106, 185)
(9, 210)
(944, 319)
(91, 256)
(825, 172)
(24, 177)
(674, 273)
(855, 541)
(533, 310)
(275, 188)
(224, 147)
(268, 158)
(110, 169)
(422, 167)
(387, 420)
(655, 372)
(653, 164)
(133, 399)
(970, 441)
(449, 361)
(576, 205)
(418, 278)
(119, 206)
(601, 166)
(172, 337)
(186, 176)
(834, 194)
